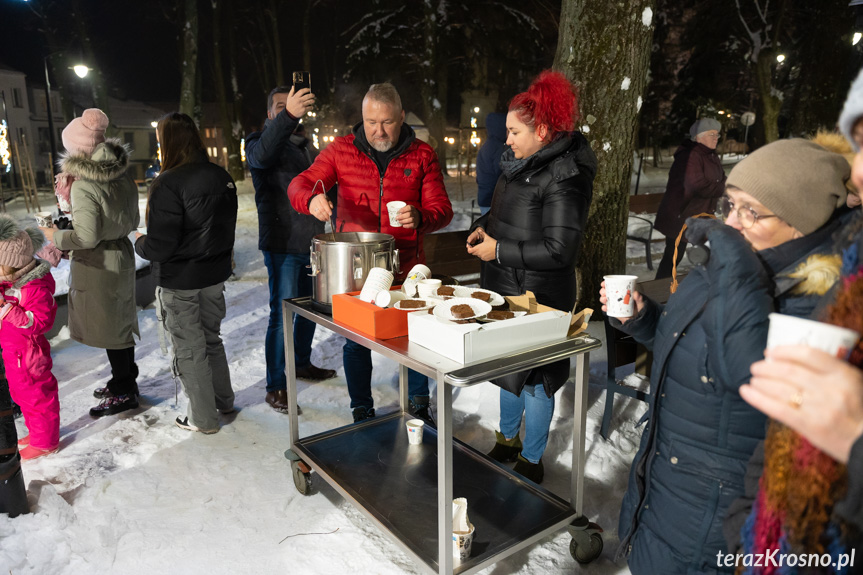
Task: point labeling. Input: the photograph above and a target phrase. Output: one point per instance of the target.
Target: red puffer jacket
(412, 176)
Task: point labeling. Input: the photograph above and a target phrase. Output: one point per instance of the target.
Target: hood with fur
(109, 161)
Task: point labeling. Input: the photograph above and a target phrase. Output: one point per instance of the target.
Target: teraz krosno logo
(776, 559)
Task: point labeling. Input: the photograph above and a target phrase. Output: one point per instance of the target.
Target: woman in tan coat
(102, 309)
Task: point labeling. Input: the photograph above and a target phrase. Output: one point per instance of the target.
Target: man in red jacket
(380, 161)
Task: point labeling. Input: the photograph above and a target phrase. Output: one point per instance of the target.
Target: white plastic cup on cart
(388, 298)
(377, 281)
(462, 543)
(415, 431)
(428, 288)
(419, 272)
(44, 219)
(393, 210)
(618, 290)
(790, 330)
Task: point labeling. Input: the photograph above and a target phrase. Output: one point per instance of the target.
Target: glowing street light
(780, 58)
(856, 38)
(81, 70)
(154, 123)
(476, 110)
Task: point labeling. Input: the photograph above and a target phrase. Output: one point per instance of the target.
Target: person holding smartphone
(275, 156)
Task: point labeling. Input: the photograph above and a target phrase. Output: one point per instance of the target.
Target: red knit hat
(83, 134)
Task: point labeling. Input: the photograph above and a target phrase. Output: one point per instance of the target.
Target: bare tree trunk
(604, 48)
(433, 74)
(235, 164)
(277, 42)
(189, 67)
(94, 77)
(771, 105)
(307, 36)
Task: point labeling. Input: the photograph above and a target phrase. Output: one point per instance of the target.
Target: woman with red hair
(530, 240)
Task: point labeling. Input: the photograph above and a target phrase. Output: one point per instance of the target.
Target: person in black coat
(275, 155)
(695, 183)
(779, 222)
(191, 220)
(530, 241)
(488, 160)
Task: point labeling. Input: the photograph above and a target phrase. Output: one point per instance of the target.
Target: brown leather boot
(278, 400)
(314, 373)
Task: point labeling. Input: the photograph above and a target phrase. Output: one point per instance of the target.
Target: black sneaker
(420, 408)
(528, 470)
(363, 413)
(114, 404)
(183, 423)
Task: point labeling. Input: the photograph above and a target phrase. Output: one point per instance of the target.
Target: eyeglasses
(745, 215)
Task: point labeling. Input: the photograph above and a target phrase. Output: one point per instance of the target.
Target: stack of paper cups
(378, 280)
(419, 272)
(462, 530)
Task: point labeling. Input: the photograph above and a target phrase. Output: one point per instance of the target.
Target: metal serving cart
(407, 490)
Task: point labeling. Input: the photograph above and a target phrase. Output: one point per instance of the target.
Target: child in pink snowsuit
(27, 311)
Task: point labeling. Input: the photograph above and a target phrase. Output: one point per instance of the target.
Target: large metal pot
(341, 262)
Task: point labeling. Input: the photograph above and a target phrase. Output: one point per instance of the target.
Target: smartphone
(302, 80)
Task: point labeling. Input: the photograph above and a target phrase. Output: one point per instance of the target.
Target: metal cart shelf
(407, 490)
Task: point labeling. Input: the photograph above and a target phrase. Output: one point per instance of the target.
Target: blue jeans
(358, 372)
(288, 279)
(537, 408)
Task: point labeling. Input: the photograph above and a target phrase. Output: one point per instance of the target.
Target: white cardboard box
(466, 343)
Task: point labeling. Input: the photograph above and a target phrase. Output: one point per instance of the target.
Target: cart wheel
(586, 554)
(302, 479)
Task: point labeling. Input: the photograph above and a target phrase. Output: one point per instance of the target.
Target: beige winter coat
(102, 309)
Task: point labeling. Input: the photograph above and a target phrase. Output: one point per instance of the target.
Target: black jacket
(273, 161)
(700, 434)
(695, 183)
(538, 216)
(190, 227)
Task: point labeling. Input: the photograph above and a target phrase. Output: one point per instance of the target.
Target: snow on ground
(134, 494)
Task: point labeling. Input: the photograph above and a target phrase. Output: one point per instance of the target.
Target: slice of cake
(412, 303)
(445, 290)
(462, 311)
(497, 315)
(481, 295)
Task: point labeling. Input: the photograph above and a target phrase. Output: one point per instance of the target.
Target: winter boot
(114, 404)
(31, 452)
(103, 392)
(363, 413)
(420, 408)
(505, 450)
(528, 470)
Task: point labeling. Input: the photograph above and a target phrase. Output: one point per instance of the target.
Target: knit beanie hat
(702, 125)
(798, 180)
(83, 134)
(17, 246)
(853, 109)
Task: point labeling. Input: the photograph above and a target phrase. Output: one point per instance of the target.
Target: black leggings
(124, 371)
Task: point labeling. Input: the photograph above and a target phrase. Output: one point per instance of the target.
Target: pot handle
(397, 268)
(358, 266)
(313, 262)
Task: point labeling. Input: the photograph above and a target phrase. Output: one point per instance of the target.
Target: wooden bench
(644, 204)
(446, 254)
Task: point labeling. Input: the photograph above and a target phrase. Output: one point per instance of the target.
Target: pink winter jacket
(30, 314)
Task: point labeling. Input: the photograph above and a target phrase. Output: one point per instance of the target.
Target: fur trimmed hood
(40, 270)
(109, 161)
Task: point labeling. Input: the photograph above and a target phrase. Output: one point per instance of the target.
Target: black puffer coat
(700, 433)
(273, 161)
(538, 215)
(190, 227)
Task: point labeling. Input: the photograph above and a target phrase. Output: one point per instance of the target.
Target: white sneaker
(183, 423)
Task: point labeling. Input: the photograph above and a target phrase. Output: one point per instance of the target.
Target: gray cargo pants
(193, 319)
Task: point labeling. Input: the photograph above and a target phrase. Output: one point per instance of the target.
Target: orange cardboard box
(378, 322)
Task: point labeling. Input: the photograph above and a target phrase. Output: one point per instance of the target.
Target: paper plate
(430, 303)
(442, 310)
(516, 314)
(464, 292)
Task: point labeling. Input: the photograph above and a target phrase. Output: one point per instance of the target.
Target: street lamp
(780, 58)
(81, 70)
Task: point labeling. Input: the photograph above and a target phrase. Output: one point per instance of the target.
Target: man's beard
(382, 145)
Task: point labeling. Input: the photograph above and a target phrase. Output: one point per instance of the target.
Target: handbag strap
(673, 287)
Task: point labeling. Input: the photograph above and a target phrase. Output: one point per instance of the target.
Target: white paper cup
(409, 287)
(790, 330)
(44, 219)
(419, 272)
(618, 290)
(462, 543)
(393, 209)
(415, 431)
(428, 288)
(378, 280)
(388, 298)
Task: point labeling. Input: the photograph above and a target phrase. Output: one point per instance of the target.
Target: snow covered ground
(133, 494)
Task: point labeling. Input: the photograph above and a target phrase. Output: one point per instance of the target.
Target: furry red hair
(550, 100)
